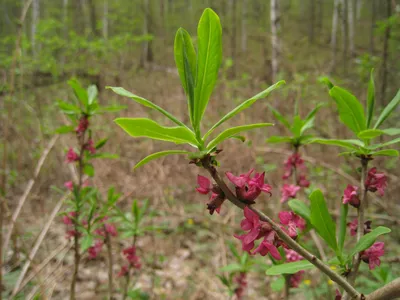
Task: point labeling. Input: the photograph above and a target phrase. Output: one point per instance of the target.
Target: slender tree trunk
(351, 26)
(320, 15)
(373, 20)
(93, 18)
(35, 19)
(335, 18)
(244, 25)
(359, 5)
(275, 38)
(385, 51)
(311, 21)
(233, 37)
(105, 19)
(65, 31)
(344, 33)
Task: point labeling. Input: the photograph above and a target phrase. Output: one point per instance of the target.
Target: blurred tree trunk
(105, 19)
(93, 19)
(147, 51)
(233, 6)
(244, 25)
(351, 26)
(320, 15)
(371, 33)
(35, 20)
(65, 31)
(274, 12)
(344, 33)
(359, 5)
(335, 18)
(311, 22)
(385, 51)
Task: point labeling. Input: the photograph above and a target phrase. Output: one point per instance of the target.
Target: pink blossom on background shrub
(292, 221)
(372, 254)
(376, 182)
(289, 191)
(293, 161)
(123, 272)
(292, 256)
(95, 250)
(90, 147)
(350, 196)
(242, 285)
(72, 156)
(353, 225)
(130, 255)
(82, 126)
(69, 185)
(303, 182)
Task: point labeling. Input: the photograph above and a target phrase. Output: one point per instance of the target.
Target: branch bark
(387, 292)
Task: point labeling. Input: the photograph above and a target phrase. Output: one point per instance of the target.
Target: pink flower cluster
(132, 259)
(350, 196)
(258, 229)
(109, 228)
(292, 256)
(372, 254)
(217, 196)
(353, 225)
(82, 126)
(376, 182)
(241, 282)
(69, 220)
(72, 156)
(90, 147)
(94, 251)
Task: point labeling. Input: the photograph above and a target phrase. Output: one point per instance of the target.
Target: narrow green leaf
(296, 126)
(209, 35)
(104, 155)
(122, 92)
(300, 208)
(101, 143)
(233, 131)
(280, 117)
(92, 93)
(370, 133)
(370, 99)
(142, 127)
(279, 139)
(386, 152)
(349, 144)
(309, 120)
(68, 108)
(185, 59)
(351, 112)
(110, 109)
(395, 141)
(322, 220)
(344, 208)
(232, 268)
(158, 155)
(65, 129)
(391, 131)
(79, 92)
(244, 105)
(290, 268)
(388, 110)
(88, 169)
(278, 284)
(326, 81)
(367, 240)
(86, 242)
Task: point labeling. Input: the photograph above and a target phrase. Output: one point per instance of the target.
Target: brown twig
(110, 264)
(387, 292)
(128, 277)
(282, 235)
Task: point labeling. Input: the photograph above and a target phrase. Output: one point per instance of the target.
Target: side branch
(282, 235)
(387, 292)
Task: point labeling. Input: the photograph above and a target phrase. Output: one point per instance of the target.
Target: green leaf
(79, 92)
(322, 220)
(244, 105)
(122, 92)
(158, 155)
(68, 108)
(65, 129)
(280, 117)
(296, 126)
(92, 93)
(370, 133)
(233, 131)
(326, 81)
(290, 268)
(395, 141)
(370, 99)
(367, 240)
(101, 143)
(185, 59)
(349, 144)
(344, 208)
(386, 152)
(142, 127)
(110, 109)
(279, 139)
(232, 268)
(309, 121)
(388, 110)
(300, 208)
(209, 33)
(351, 112)
(278, 284)
(86, 242)
(391, 131)
(88, 169)
(104, 155)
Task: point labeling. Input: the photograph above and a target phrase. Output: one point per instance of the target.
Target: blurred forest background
(129, 43)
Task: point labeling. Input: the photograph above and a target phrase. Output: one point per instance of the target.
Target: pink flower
(67, 219)
(242, 284)
(293, 162)
(69, 185)
(293, 222)
(292, 256)
(71, 233)
(72, 156)
(252, 223)
(338, 295)
(248, 189)
(288, 191)
(303, 182)
(353, 225)
(130, 255)
(296, 278)
(372, 254)
(351, 196)
(111, 229)
(82, 126)
(123, 272)
(205, 185)
(90, 147)
(376, 181)
(95, 250)
(267, 246)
